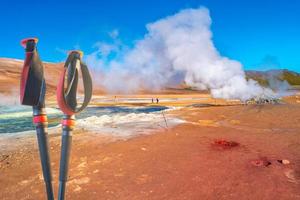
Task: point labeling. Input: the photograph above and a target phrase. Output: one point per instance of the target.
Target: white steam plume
(176, 48)
(10, 99)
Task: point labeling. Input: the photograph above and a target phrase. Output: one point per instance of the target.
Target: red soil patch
(224, 144)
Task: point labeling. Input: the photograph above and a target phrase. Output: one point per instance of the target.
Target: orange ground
(179, 163)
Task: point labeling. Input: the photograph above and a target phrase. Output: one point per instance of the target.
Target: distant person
(152, 100)
(157, 100)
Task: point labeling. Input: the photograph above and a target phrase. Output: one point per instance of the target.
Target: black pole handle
(67, 98)
(33, 86)
(68, 103)
(32, 92)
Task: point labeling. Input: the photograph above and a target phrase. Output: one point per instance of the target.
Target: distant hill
(265, 77)
(10, 70)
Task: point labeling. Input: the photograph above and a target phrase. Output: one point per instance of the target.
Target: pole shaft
(61, 190)
(42, 138)
(66, 143)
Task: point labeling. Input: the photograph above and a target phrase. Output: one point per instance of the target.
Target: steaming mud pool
(117, 120)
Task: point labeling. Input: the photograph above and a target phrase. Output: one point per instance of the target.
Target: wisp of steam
(175, 49)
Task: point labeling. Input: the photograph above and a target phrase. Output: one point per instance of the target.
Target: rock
(285, 162)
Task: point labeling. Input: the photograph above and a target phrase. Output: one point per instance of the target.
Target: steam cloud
(176, 48)
(9, 99)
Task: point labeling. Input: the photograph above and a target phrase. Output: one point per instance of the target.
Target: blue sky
(261, 34)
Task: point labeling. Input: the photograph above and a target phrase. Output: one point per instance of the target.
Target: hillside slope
(265, 77)
(10, 70)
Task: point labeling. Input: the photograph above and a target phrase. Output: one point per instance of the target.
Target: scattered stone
(143, 149)
(263, 100)
(285, 162)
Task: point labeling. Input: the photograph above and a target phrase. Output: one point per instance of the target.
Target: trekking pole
(67, 102)
(32, 93)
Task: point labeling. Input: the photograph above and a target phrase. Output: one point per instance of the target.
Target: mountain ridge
(10, 71)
